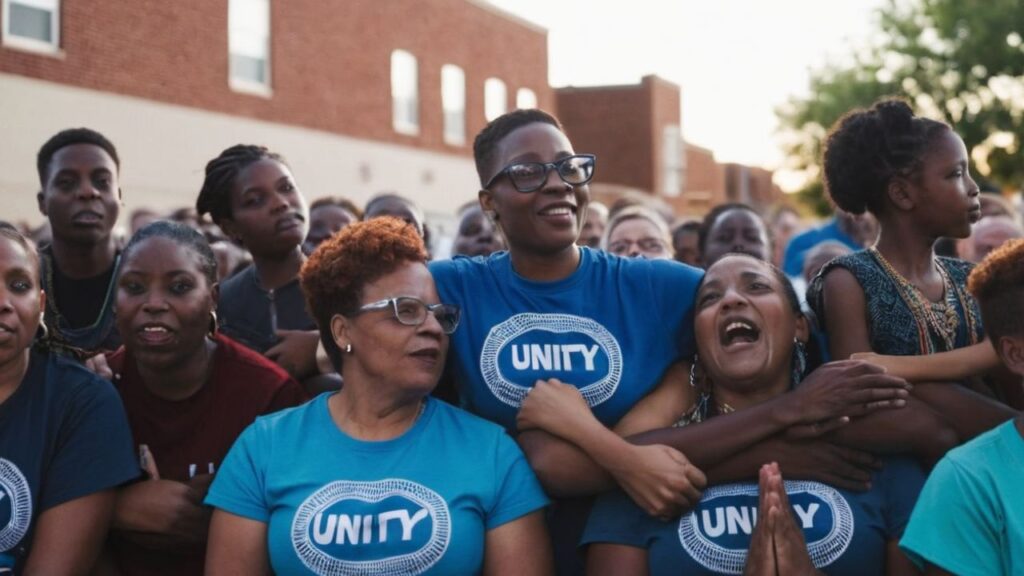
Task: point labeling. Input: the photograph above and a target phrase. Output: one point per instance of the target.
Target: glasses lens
(410, 311)
(576, 169)
(447, 316)
(529, 176)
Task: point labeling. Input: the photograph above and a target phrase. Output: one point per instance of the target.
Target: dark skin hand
(295, 351)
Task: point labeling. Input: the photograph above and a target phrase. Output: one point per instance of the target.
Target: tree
(958, 60)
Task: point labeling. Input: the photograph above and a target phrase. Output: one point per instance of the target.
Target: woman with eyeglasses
(378, 477)
(548, 309)
(638, 232)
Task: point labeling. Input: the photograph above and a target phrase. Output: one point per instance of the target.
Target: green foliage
(958, 60)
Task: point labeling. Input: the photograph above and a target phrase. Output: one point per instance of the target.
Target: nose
(554, 183)
(279, 202)
(87, 191)
(431, 327)
(732, 298)
(155, 302)
(973, 190)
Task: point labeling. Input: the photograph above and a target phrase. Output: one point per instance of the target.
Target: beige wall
(164, 149)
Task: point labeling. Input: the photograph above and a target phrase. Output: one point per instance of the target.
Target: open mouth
(739, 332)
(154, 334)
(559, 211)
(87, 217)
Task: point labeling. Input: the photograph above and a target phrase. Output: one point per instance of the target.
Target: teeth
(562, 211)
(738, 325)
(154, 329)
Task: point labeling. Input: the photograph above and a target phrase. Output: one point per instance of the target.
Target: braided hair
(221, 172)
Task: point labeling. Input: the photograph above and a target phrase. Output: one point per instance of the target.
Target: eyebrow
(258, 188)
(535, 157)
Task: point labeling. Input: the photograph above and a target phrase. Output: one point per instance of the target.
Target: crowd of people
(256, 385)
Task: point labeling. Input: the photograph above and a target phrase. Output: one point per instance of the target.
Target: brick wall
(330, 61)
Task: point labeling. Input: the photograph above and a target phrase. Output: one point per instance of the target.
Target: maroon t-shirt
(190, 437)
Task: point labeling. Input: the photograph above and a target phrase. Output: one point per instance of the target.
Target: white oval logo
(529, 347)
(716, 534)
(387, 527)
(15, 505)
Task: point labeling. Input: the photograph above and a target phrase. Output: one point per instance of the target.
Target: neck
(182, 380)
(276, 271)
(11, 375)
(365, 414)
(79, 261)
(1020, 424)
(751, 394)
(907, 250)
(546, 267)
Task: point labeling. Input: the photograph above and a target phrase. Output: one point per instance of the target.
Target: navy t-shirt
(63, 435)
(251, 315)
(611, 329)
(846, 532)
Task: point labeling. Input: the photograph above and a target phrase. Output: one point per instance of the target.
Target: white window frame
(492, 87)
(673, 161)
(33, 44)
(401, 123)
(453, 101)
(247, 85)
(524, 94)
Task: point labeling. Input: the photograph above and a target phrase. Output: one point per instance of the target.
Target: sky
(735, 60)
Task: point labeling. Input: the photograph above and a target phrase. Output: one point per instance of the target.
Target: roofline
(497, 11)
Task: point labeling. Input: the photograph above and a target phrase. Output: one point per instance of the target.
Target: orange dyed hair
(998, 285)
(335, 274)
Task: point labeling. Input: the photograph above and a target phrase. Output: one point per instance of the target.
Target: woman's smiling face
(546, 220)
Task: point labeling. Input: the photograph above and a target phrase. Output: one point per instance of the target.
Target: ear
(1011, 351)
(803, 329)
(341, 329)
(900, 193)
(42, 300)
(41, 201)
(486, 199)
(215, 294)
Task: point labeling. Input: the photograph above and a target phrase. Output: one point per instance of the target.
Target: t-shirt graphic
(387, 527)
(15, 508)
(529, 347)
(717, 534)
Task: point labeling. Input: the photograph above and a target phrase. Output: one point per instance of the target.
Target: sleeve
(903, 482)
(675, 291)
(793, 256)
(615, 519)
(240, 485)
(518, 492)
(94, 445)
(955, 524)
(445, 274)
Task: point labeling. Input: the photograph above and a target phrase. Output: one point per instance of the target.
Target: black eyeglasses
(413, 312)
(530, 176)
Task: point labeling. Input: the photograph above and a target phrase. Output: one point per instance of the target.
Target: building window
(249, 45)
(32, 24)
(453, 102)
(405, 102)
(526, 98)
(495, 98)
(673, 161)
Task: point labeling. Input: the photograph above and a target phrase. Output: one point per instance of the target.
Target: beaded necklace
(941, 317)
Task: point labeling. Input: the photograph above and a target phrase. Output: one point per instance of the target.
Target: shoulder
(452, 418)
(464, 265)
(958, 269)
(237, 283)
(67, 379)
(246, 365)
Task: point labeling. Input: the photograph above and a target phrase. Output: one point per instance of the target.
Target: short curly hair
(997, 283)
(485, 144)
(866, 149)
(334, 276)
(69, 137)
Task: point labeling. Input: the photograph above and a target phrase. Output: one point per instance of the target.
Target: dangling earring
(699, 412)
(348, 348)
(213, 323)
(42, 326)
(693, 372)
(799, 361)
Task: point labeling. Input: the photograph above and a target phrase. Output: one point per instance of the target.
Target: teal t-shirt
(970, 516)
(417, 504)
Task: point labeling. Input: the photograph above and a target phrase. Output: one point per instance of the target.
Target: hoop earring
(213, 323)
(42, 326)
(799, 361)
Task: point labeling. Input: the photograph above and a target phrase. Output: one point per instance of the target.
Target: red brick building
(173, 83)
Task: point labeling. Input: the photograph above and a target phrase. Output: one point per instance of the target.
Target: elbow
(544, 459)
(941, 439)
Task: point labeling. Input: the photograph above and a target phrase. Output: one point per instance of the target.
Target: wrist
(785, 411)
(608, 449)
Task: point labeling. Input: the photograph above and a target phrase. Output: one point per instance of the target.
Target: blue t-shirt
(970, 517)
(799, 245)
(846, 532)
(420, 503)
(63, 436)
(612, 328)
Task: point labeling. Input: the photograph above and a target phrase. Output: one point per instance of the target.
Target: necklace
(938, 318)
